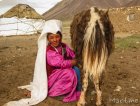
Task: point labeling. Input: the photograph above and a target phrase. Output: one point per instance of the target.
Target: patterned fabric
(62, 78)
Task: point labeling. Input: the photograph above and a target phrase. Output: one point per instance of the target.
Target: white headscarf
(39, 86)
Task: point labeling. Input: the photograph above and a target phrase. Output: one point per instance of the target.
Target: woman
(62, 74)
(61, 79)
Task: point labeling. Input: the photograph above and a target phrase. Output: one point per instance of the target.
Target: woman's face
(54, 39)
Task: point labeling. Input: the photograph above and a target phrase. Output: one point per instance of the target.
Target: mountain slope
(66, 9)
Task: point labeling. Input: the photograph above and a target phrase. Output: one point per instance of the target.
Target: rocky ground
(121, 78)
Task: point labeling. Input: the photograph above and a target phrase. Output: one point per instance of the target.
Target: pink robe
(62, 78)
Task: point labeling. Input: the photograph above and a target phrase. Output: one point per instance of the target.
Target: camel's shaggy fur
(92, 38)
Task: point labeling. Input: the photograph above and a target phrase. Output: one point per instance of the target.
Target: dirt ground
(121, 79)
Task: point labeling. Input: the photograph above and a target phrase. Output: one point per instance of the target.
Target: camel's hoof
(98, 104)
(81, 104)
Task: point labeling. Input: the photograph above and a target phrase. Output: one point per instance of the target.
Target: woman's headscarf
(39, 86)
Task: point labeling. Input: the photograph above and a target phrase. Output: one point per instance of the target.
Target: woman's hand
(73, 62)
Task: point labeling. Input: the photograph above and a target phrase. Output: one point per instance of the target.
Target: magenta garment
(62, 80)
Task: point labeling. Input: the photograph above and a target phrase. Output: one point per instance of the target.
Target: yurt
(20, 20)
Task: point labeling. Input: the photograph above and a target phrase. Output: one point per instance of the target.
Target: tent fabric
(20, 26)
(39, 86)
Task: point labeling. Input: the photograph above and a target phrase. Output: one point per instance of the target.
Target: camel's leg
(98, 91)
(82, 101)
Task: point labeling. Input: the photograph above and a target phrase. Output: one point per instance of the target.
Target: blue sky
(40, 6)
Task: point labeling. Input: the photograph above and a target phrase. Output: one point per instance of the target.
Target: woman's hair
(58, 32)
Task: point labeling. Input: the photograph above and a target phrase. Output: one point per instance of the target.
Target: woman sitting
(63, 75)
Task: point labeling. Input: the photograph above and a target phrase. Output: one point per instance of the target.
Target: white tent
(20, 20)
(20, 26)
